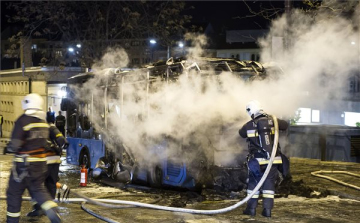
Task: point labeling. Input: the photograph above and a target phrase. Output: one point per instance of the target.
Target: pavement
(307, 199)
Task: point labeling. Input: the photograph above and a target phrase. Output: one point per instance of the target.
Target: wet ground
(303, 198)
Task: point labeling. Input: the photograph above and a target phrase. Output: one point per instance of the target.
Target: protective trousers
(51, 178)
(61, 129)
(267, 189)
(34, 182)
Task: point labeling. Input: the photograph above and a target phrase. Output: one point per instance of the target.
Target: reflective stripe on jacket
(53, 159)
(29, 136)
(263, 161)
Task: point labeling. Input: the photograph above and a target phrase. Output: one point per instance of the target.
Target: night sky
(219, 13)
(225, 12)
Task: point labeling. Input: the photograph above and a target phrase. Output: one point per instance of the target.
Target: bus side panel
(95, 147)
(174, 173)
(73, 151)
(96, 150)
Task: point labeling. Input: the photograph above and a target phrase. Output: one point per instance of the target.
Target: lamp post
(152, 45)
(181, 46)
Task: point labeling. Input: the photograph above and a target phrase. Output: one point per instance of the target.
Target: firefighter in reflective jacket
(54, 148)
(28, 142)
(260, 136)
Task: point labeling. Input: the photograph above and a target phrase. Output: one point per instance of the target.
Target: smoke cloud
(204, 113)
(322, 53)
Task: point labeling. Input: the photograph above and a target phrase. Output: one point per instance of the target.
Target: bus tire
(84, 158)
(155, 175)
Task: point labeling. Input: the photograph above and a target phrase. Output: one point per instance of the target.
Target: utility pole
(22, 64)
(288, 23)
(168, 51)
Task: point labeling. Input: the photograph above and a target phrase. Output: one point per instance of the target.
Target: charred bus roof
(173, 68)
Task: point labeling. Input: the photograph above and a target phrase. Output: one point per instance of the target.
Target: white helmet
(253, 108)
(32, 101)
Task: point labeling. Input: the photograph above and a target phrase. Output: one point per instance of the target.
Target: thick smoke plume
(321, 54)
(195, 112)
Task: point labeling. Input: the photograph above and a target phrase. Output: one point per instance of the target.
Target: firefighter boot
(37, 211)
(250, 211)
(53, 215)
(266, 212)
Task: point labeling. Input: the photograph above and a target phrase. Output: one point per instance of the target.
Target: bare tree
(98, 25)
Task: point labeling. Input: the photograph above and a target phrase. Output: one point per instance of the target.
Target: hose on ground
(318, 174)
(102, 202)
(109, 219)
(96, 215)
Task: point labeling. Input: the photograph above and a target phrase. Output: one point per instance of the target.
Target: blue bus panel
(94, 148)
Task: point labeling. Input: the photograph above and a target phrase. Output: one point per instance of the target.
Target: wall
(14, 85)
(323, 142)
(11, 95)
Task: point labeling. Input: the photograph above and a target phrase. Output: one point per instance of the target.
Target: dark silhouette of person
(1, 123)
(50, 116)
(60, 121)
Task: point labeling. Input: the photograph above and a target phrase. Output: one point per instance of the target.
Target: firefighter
(60, 121)
(260, 136)
(28, 142)
(56, 143)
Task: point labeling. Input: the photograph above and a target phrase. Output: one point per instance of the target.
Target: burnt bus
(94, 100)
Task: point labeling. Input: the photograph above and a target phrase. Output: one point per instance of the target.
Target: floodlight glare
(78, 45)
(181, 45)
(152, 41)
(61, 93)
(71, 49)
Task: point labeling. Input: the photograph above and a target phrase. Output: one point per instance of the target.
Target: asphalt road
(309, 199)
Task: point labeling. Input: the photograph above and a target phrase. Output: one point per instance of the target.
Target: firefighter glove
(66, 145)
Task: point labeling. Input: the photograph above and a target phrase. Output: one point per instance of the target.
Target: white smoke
(195, 110)
(319, 59)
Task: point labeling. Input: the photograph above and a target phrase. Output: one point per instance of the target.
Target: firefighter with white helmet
(28, 142)
(56, 143)
(259, 132)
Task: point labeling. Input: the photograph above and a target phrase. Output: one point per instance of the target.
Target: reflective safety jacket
(260, 136)
(54, 148)
(29, 137)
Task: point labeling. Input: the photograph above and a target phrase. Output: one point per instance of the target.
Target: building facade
(16, 83)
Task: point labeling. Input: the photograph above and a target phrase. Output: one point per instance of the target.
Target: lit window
(351, 118)
(34, 47)
(305, 115)
(59, 53)
(315, 116)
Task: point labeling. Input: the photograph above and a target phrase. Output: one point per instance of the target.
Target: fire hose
(318, 174)
(109, 220)
(103, 202)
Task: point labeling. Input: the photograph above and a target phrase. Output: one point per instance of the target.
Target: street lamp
(70, 49)
(181, 46)
(152, 43)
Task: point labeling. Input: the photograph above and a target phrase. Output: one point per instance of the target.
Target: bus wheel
(155, 176)
(85, 159)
